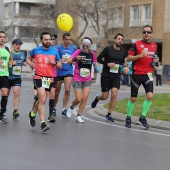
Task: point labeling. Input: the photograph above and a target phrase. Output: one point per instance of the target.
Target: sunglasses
(85, 46)
(53, 39)
(148, 32)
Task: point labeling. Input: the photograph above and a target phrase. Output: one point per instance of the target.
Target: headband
(86, 40)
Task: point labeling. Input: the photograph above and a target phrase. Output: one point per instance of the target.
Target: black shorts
(137, 80)
(15, 82)
(4, 82)
(38, 84)
(35, 88)
(54, 83)
(108, 82)
(61, 78)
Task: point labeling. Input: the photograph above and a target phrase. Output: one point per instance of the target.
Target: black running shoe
(94, 103)
(31, 120)
(51, 119)
(64, 112)
(15, 115)
(143, 122)
(54, 112)
(44, 127)
(3, 119)
(128, 122)
(109, 118)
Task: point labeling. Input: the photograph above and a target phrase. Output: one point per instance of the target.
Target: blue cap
(16, 41)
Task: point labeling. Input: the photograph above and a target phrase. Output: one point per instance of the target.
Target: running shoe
(109, 118)
(51, 119)
(69, 112)
(3, 119)
(64, 112)
(94, 103)
(15, 115)
(143, 122)
(31, 120)
(54, 112)
(128, 122)
(44, 127)
(79, 119)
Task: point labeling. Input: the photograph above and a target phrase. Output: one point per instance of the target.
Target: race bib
(84, 72)
(150, 76)
(115, 69)
(3, 67)
(66, 57)
(16, 70)
(46, 82)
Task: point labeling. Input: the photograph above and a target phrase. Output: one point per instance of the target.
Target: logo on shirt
(40, 60)
(142, 46)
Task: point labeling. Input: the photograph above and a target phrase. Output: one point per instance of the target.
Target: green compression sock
(33, 114)
(42, 122)
(146, 106)
(130, 107)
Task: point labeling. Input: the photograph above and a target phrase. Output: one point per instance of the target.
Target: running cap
(17, 41)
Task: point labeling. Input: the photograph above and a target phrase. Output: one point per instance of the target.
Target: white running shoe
(69, 112)
(79, 119)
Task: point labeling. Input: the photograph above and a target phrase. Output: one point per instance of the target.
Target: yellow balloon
(64, 22)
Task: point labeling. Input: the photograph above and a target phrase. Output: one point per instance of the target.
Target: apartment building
(26, 19)
(129, 16)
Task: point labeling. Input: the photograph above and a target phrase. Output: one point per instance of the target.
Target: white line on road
(143, 131)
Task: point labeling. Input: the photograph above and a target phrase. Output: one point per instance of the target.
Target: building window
(140, 15)
(6, 11)
(134, 15)
(146, 15)
(116, 18)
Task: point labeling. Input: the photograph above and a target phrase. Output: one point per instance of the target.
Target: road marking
(104, 123)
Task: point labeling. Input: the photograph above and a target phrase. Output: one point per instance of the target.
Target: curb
(157, 124)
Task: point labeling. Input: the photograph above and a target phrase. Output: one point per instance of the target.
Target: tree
(94, 13)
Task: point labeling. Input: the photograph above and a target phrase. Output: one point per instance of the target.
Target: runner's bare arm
(59, 65)
(29, 61)
(136, 57)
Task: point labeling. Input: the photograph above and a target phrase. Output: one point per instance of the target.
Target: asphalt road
(94, 145)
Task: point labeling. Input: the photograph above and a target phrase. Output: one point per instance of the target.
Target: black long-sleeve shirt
(111, 55)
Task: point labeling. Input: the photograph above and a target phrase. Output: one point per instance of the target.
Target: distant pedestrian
(159, 70)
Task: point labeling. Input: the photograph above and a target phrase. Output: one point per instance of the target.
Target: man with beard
(142, 55)
(112, 58)
(46, 57)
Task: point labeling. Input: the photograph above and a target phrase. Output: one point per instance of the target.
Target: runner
(46, 58)
(112, 58)
(52, 111)
(19, 59)
(82, 78)
(142, 53)
(5, 62)
(65, 74)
